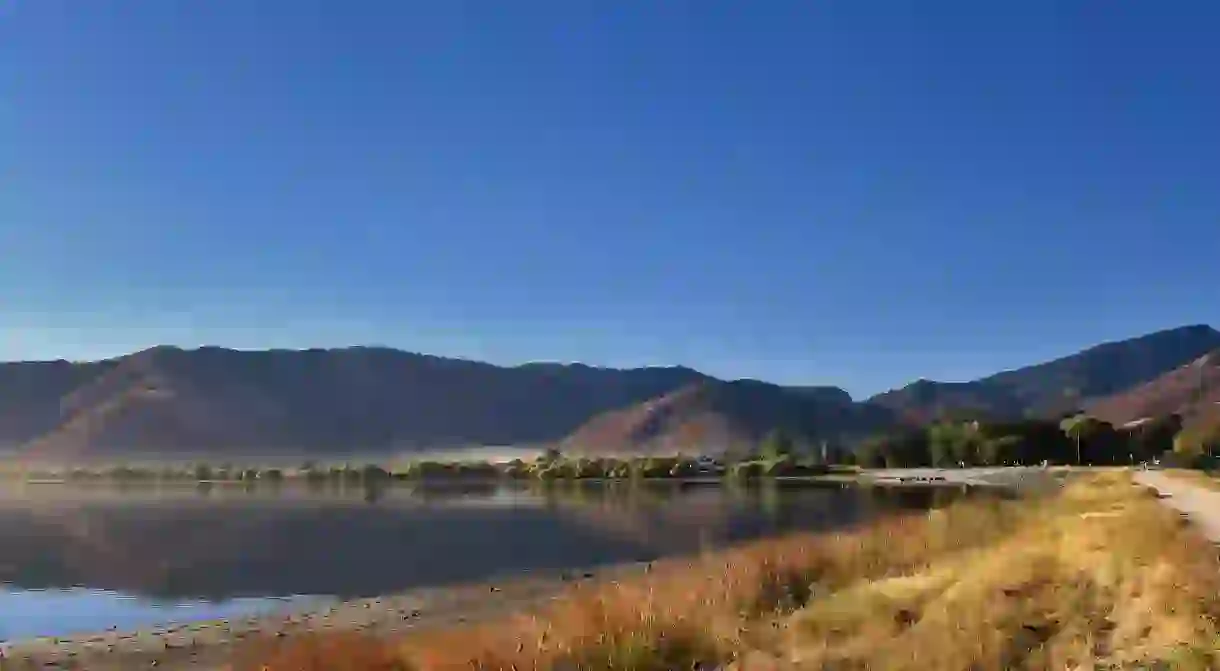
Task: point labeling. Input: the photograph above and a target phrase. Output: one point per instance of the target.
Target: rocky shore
(211, 645)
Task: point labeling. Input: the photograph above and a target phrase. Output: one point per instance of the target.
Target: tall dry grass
(338, 651)
(1098, 575)
(1102, 577)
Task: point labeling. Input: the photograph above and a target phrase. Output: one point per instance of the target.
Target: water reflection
(180, 545)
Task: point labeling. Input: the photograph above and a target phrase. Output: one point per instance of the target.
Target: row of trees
(774, 457)
(1072, 440)
(1077, 439)
(549, 466)
(128, 473)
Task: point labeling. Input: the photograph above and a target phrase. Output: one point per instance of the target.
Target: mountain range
(167, 400)
(1061, 385)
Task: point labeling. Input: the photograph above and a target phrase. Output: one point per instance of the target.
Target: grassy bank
(1097, 574)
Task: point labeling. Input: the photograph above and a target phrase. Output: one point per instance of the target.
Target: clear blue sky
(853, 193)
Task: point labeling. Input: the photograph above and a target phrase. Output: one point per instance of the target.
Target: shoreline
(211, 645)
(916, 476)
(973, 586)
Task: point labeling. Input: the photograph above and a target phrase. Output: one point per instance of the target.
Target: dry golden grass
(1098, 576)
(323, 652)
(1102, 576)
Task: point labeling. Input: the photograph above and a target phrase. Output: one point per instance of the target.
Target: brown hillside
(142, 402)
(208, 402)
(170, 401)
(32, 393)
(715, 417)
(1061, 385)
(1192, 391)
(662, 425)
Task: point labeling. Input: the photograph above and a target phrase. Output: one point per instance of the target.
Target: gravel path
(1199, 504)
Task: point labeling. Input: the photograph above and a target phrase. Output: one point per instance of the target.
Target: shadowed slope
(217, 400)
(210, 401)
(1192, 391)
(1057, 386)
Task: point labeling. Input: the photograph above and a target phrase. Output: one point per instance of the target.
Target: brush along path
(1097, 575)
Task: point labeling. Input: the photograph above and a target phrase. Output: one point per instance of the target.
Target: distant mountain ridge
(723, 417)
(210, 400)
(167, 399)
(1060, 385)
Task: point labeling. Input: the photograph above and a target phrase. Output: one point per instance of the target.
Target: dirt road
(1199, 504)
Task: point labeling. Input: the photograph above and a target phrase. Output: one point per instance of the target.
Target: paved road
(1200, 504)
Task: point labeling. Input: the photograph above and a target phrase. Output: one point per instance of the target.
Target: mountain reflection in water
(182, 544)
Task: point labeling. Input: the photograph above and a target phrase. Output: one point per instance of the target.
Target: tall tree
(1095, 439)
(1076, 427)
(1154, 437)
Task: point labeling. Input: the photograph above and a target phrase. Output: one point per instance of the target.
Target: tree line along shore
(542, 469)
(1076, 439)
(1070, 440)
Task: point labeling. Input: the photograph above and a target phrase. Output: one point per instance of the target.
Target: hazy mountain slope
(1058, 385)
(31, 393)
(168, 399)
(720, 416)
(1192, 391)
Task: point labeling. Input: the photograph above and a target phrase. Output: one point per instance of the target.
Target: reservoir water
(77, 559)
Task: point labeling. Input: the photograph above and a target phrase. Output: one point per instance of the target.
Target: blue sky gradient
(856, 193)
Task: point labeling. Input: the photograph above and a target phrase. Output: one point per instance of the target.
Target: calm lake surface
(80, 559)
